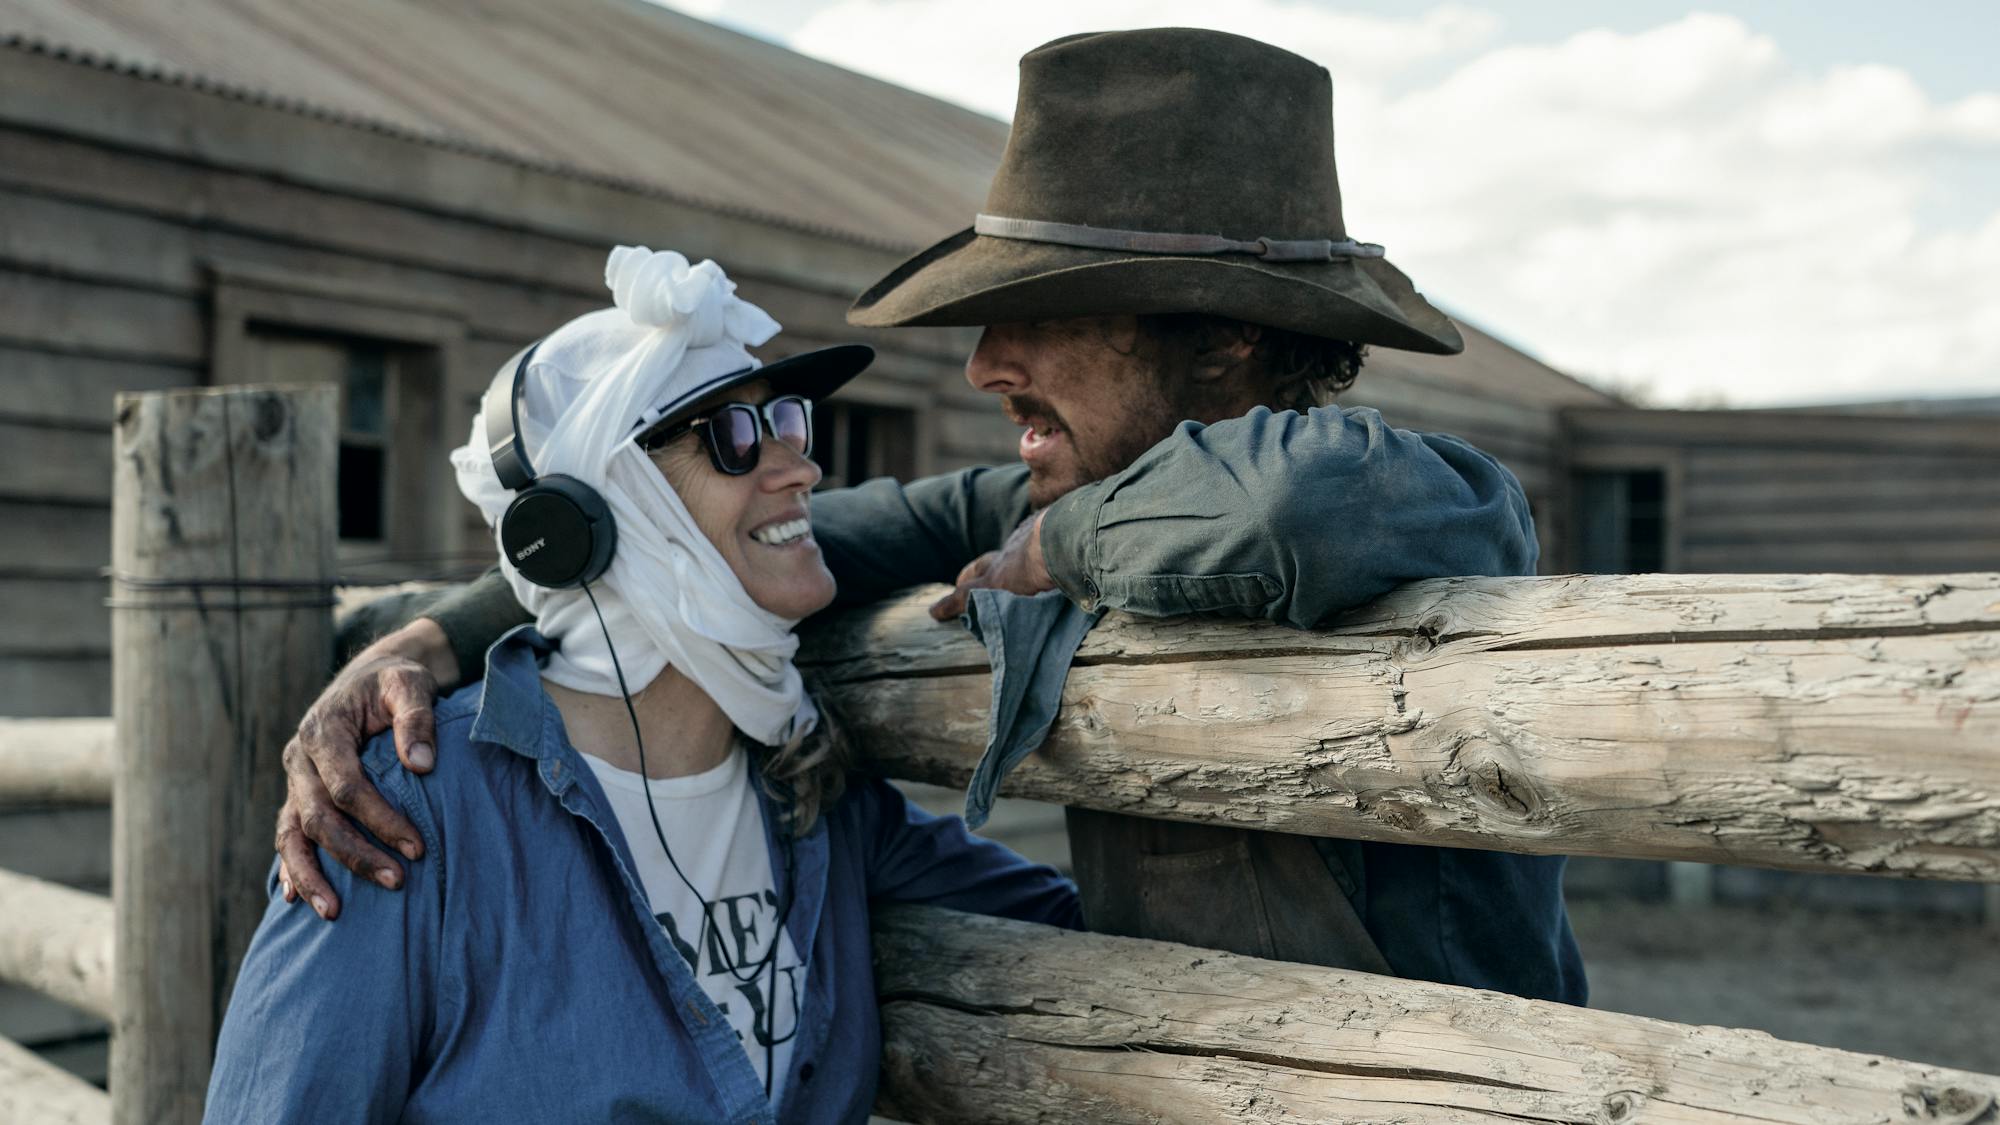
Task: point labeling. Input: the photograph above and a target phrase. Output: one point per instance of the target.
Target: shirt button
(805, 1072)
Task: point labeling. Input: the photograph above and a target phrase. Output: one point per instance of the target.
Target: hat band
(1157, 242)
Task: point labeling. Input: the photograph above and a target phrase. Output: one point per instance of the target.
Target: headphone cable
(770, 958)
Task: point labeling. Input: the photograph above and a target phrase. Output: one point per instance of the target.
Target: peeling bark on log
(56, 941)
(1826, 723)
(55, 761)
(989, 1020)
(34, 1091)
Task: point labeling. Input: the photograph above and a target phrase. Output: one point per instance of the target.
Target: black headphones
(558, 532)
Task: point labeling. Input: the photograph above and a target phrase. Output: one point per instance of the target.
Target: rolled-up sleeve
(1287, 516)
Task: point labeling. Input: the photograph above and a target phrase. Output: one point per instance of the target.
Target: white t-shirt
(712, 823)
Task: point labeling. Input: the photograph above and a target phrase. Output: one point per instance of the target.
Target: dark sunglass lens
(791, 420)
(736, 437)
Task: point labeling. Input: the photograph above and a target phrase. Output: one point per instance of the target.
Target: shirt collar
(513, 708)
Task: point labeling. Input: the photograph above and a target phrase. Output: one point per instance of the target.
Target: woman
(646, 880)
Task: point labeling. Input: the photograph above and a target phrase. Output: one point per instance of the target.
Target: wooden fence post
(223, 536)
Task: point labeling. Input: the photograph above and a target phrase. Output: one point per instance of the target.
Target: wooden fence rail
(56, 941)
(1819, 722)
(34, 1091)
(55, 761)
(990, 1020)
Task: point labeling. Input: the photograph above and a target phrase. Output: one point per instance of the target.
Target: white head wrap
(668, 598)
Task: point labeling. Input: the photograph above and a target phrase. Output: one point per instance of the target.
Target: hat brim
(814, 374)
(972, 279)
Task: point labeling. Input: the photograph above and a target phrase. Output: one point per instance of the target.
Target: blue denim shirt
(520, 976)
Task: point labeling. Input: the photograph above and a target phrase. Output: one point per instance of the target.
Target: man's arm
(914, 856)
(877, 537)
(883, 536)
(1291, 517)
(391, 684)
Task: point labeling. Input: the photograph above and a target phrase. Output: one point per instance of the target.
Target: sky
(1744, 204)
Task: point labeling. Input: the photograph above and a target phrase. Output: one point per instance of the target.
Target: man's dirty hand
(1017, 567)
(382, 688)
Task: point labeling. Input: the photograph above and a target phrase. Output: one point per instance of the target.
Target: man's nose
(995, 365)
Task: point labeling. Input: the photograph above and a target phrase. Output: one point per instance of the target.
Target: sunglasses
(735, 431)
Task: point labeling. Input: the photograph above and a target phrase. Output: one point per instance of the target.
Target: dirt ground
(1923, 988)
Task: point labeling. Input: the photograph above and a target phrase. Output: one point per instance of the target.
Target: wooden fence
(1829, 723)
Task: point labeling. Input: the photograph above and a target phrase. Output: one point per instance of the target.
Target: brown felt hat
(1162, 171)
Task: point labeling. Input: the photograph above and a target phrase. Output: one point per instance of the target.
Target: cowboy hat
(1165, 171)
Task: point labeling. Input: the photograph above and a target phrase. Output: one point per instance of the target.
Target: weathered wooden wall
(1797, 492)
(1823, 723)
(135, 214)
(988, 1020)
(133, 206)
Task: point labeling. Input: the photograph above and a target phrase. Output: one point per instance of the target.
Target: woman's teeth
(780, 534)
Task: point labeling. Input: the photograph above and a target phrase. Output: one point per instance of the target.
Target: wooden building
(394, 197)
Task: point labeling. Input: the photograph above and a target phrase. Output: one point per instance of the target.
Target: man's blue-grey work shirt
(520, 974)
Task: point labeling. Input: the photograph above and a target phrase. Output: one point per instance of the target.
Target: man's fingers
(299, 867)
(351, 792)
(326, 827)
(949, 606)
(970, 576)
(408, 695)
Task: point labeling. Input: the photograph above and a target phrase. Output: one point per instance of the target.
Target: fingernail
(420, 756)
(319, 904)
(408, 848)
(386, 878)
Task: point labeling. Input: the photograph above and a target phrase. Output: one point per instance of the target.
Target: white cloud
(1682, 207)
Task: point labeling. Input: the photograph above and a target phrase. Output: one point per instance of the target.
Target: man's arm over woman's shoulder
(1287, 516)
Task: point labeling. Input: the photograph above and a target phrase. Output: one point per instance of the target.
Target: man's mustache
(1025, 409)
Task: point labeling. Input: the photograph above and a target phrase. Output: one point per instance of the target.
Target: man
(1168, 288)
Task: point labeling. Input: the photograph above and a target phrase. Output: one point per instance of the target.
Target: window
(393, 354)
(1621, 521)
(856, 441)
(387, 410)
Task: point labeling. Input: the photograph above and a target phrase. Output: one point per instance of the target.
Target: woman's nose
(995, 364)
(781, 468)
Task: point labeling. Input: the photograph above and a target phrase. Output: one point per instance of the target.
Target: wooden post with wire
(223, 541)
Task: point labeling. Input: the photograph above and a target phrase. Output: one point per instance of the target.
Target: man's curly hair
(1298, 371)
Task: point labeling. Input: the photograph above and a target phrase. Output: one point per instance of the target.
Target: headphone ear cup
(559, 533)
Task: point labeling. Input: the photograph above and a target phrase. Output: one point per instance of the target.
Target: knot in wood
(268, 418)
(1953, 1105)
(1621, 1106)
(1428, 633)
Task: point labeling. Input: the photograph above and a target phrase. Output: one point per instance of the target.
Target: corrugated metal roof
(619, 88)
